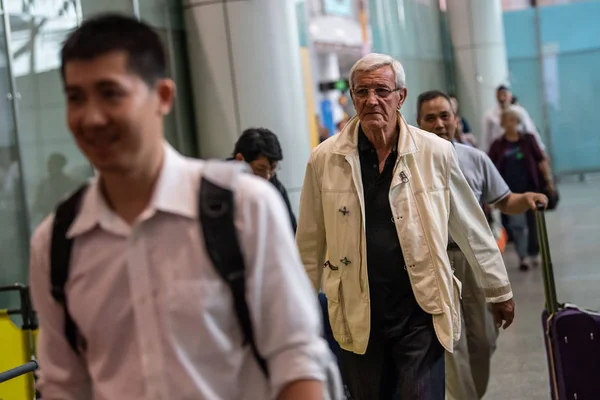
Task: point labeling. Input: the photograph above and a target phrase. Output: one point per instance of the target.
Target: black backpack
(216, 211)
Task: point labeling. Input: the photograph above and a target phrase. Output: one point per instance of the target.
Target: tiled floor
(519, 369)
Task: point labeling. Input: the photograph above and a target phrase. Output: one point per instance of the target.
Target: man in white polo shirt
(468, 368)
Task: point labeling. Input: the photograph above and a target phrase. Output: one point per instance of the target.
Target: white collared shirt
(158, 320)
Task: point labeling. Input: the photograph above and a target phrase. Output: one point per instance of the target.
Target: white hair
(514, 111)
(374, 61)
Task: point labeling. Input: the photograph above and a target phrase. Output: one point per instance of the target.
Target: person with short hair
(493, 126)
(468, 368)
(151, 317)
(260, 148)
(54, 187)
(464, 134)
(377, 204)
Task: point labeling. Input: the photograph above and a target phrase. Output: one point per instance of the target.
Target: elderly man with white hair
(378, 204)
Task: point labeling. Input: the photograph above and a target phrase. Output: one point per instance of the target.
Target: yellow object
(309, 95)
(364, 23)
(15, 350)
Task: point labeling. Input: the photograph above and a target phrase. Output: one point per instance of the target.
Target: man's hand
(515, 204)
(504, 312)
(533, 199)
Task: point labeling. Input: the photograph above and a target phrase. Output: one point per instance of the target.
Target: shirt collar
(176, 188)
(521, 138)
(363, 142)
(345, 143)
(174, 193)
(365, 146)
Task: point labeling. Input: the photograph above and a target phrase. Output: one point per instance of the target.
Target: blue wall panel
(571, 32)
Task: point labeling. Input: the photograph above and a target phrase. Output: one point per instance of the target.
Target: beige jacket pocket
(332, 287)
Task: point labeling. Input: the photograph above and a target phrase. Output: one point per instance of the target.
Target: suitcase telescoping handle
(547, 270)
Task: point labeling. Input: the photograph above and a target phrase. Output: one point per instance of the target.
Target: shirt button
(374, 165)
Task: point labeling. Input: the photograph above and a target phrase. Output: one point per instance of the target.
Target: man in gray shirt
(468, 368)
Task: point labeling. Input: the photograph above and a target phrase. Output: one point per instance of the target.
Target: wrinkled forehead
(382, 75)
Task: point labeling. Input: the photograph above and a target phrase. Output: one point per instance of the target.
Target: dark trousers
(409, 366)
(532, 243)
(533, 246)
(524, 231)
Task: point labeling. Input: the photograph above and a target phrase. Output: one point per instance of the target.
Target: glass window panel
(44, 8)
(14, 239)
(166, 17)
(183, 110)
(162, 13)
(52, 165)
(91, 7)
(36, 43)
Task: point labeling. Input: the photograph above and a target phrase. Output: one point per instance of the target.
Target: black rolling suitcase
(572, 337)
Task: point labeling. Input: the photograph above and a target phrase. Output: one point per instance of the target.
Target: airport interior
(285, 65)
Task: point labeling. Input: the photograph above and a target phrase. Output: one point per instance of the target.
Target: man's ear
(403, 93)
(239, 157)
(166, 92)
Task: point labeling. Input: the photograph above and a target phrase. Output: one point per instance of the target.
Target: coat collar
(347, 140)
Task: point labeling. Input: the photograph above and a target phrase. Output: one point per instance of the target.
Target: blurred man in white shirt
(152, 316)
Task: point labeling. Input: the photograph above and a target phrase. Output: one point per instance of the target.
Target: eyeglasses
(264, 171)
(380, 92)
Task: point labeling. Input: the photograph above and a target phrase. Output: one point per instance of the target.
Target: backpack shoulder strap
(217, 212)
(60, 257)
